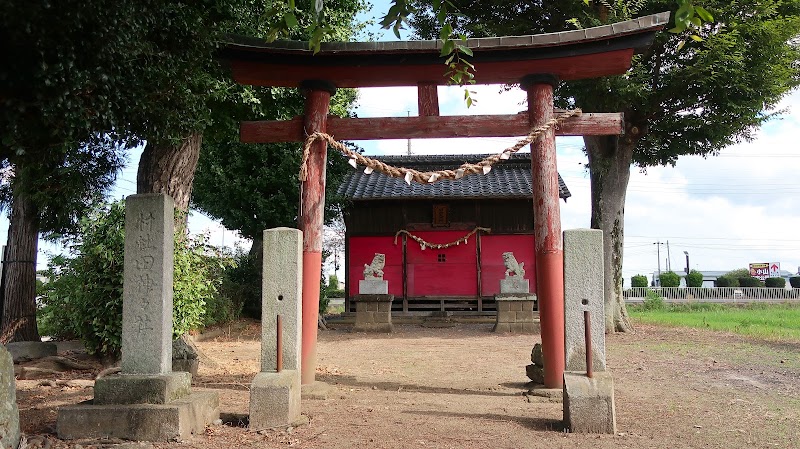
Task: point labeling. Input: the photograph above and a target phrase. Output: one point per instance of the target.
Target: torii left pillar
(312, 209)
(547, 228)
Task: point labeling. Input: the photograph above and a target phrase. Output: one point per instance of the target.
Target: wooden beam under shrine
(516, 125)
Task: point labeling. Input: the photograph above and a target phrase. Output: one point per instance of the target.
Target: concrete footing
(274, 399)
(589, 402)
(176, 420)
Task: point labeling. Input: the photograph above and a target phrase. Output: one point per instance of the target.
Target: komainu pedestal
(373, 313)
(515, 304)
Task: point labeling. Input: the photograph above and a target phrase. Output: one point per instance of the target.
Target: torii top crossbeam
(536, 62)
(567, 55)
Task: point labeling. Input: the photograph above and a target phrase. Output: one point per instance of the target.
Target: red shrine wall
(447, 272)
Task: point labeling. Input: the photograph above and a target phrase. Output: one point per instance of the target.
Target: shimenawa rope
(423, 244)
(409, 174)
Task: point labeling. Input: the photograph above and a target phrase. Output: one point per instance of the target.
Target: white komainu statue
(512, 266)
(375, 269)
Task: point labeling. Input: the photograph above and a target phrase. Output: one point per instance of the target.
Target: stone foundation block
(275, 399)
(515, 314)
(142, 389)
(373, 313)
(373, 287)
(515, 285)
(589, 402)
(23, 351)
(176, 420)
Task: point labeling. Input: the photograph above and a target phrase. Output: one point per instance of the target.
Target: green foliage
(726, 281)
(241, 285)
(198, 275)
(794, 281)
(694, 279)
(653, 301)
(775, 282)
(669, 279)
(83, 298)
(749, 281)
(639, 280)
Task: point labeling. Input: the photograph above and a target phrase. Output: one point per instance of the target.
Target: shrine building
(472, 220)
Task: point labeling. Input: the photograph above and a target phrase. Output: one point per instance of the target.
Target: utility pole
(669, 259)
(658, 255)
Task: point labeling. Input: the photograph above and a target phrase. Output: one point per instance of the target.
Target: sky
(726, 211)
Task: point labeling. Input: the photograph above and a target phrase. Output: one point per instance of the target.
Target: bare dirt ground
(462, 387)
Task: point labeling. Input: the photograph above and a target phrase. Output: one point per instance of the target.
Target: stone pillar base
(142, 388)
(373, 313)
(144, 407)
(275, 399)
(589, 403)
(176, 420)
(515, 314)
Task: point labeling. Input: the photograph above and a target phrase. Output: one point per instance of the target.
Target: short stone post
(146, 401)
(275, 395)
(9, 413)
(373, 301)
(515, 303)
(588, 402)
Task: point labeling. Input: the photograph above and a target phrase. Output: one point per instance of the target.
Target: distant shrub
(794, 281)
(775, 282)
(669, 279)
(694, 279)
(725, 281)
(639, 281)
(653, 301)
(750, 281)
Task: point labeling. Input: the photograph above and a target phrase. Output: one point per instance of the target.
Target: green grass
(780, 322)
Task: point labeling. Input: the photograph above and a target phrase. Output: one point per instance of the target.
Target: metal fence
(713, 294)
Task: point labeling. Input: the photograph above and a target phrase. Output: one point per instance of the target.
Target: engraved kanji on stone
(144, 262)
(144, 242)
(143, 323)
(145, 284)
(146, 221)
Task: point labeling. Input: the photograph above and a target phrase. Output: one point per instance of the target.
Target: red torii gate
(537, 62)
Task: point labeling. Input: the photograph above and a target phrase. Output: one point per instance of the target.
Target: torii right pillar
(547, 228)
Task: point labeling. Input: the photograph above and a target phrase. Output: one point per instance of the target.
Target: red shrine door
(449, 272)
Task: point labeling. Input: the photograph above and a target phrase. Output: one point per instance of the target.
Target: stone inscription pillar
(547, 228)
(583, 290)
(281, 292)
(275, 395)
(147, 290)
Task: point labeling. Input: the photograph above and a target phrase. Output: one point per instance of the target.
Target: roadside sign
(775, 269)
(759, 270)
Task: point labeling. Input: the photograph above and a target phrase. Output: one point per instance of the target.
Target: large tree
(681, 97)
(252, 187)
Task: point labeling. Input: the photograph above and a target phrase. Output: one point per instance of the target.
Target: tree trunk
(169, 169)
(610, 160)
(19, 306)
